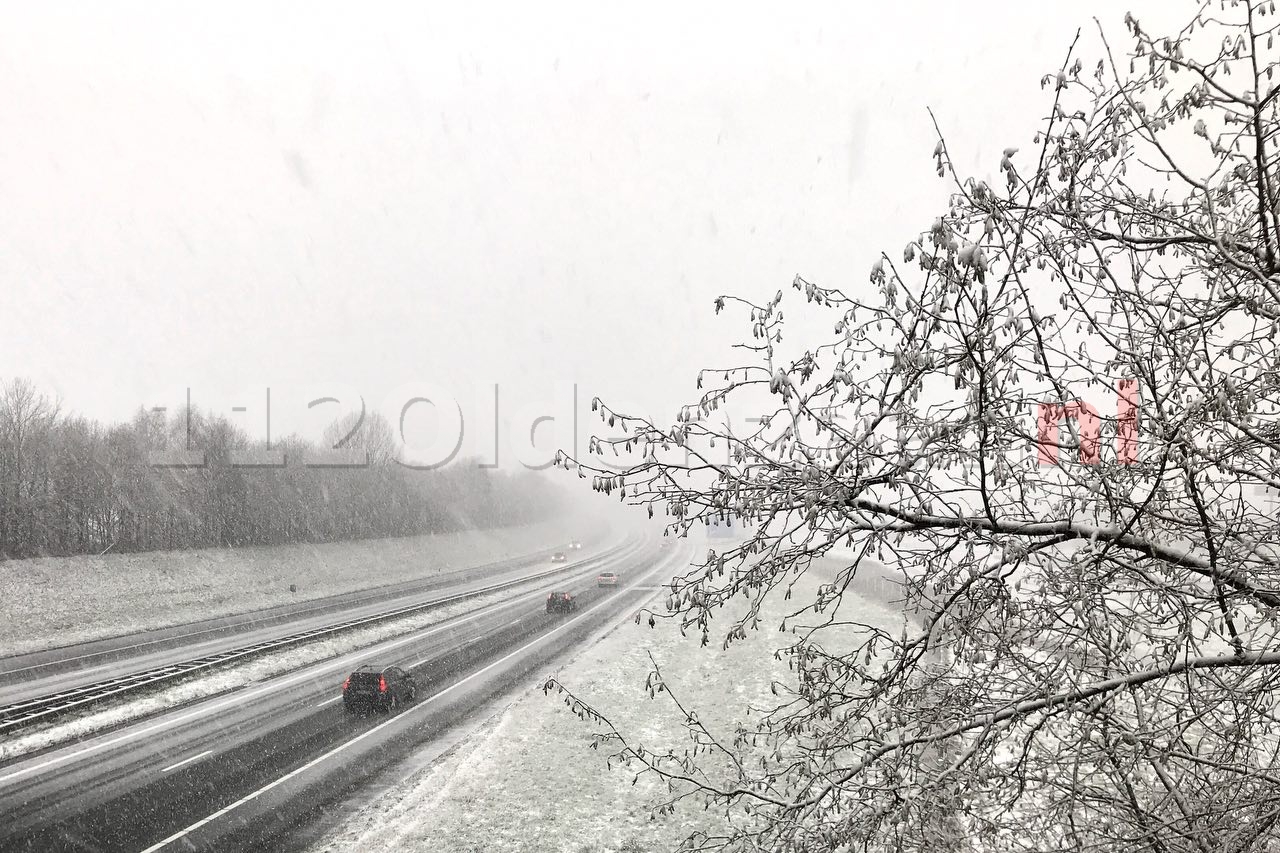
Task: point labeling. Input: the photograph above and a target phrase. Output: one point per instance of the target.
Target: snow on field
(60, 600)
(530, 783)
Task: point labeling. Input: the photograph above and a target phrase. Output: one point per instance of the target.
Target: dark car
(558, 557)
(561, 602)
(382, 689)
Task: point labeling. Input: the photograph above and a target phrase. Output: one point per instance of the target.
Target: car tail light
(346, 683)
(382, 684)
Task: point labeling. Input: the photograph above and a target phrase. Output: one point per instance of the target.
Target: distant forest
(69, 485)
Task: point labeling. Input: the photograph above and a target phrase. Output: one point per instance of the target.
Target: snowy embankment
(61, 600)
(528, 782)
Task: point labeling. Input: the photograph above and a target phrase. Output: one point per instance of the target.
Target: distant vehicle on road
(607, 579)
(558, 557)
(575, 545)
(561, 602)
(383, 689)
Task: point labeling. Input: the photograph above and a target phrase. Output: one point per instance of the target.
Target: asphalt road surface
(253, 769)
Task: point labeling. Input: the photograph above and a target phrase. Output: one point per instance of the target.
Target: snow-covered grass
(232, 677)
(530, 783)
(60, 600)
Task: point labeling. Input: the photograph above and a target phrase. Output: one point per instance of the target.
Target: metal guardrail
(28, 711)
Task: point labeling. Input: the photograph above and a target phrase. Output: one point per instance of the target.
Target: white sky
(332, 200)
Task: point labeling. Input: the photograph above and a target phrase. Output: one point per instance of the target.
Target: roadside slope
(61, 600)
(494, 791)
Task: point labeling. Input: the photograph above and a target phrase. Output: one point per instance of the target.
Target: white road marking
(327, 701)
(182, 833)
(186, 761)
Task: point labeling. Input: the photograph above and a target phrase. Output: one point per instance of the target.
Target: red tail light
(382, 684)
(345, 684)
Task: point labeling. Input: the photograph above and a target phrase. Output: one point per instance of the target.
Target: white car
(607, 579)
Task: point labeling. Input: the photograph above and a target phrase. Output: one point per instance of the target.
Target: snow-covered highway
(151, 658)
(246, 770)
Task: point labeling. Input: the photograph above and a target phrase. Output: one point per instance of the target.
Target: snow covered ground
(61, 600)
(528, 782)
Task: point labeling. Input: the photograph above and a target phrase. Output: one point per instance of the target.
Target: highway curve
(254, 769)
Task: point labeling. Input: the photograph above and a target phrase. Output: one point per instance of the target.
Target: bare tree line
(72, 485)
